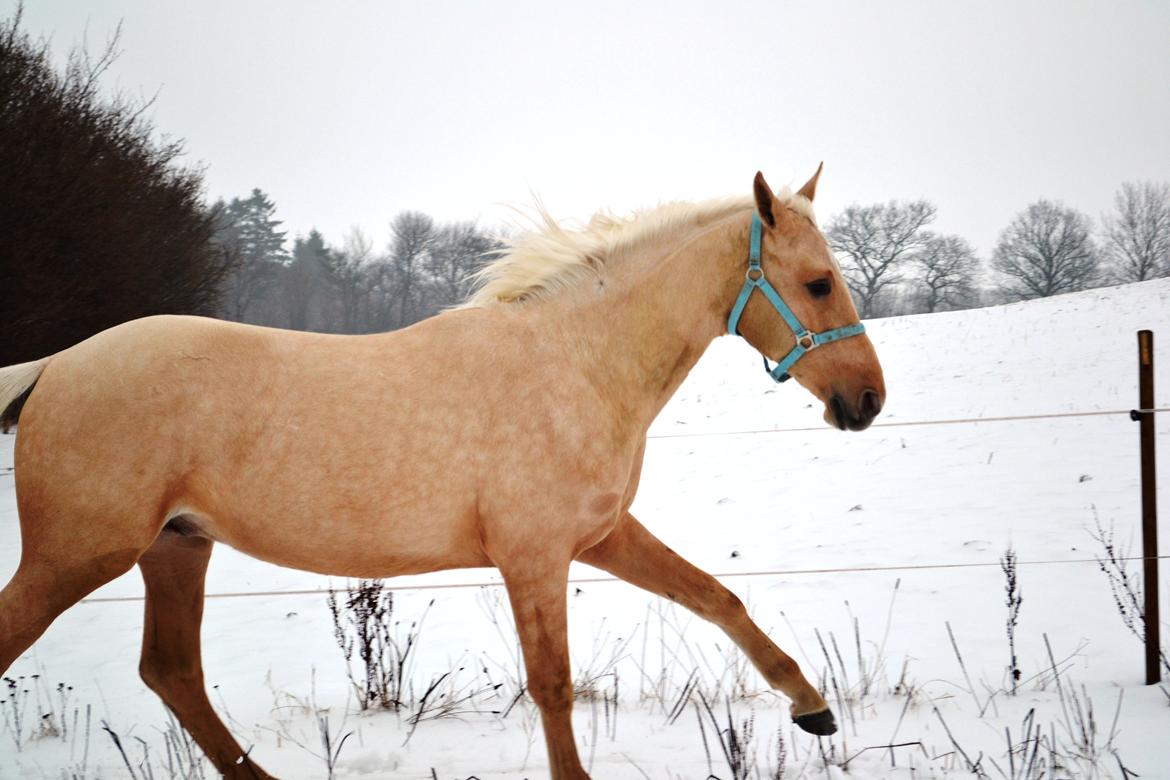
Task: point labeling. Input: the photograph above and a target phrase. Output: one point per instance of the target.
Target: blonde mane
(550, 257)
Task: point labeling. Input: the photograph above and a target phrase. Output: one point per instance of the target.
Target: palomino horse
(508, 433)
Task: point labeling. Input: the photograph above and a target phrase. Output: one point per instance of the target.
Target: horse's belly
(374, 534)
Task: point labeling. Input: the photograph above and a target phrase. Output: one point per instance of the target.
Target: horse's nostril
(869, 404)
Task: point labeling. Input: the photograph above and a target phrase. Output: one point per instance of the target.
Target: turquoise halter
(806, 340)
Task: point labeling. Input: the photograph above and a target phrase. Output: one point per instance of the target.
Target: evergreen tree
(348, 271)
(303, 279)
(250, 229)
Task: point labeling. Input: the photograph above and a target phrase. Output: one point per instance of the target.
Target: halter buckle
(808, 340)
(758, 271)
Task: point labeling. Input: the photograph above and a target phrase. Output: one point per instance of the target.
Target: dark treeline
(356, 286)
(100, 223)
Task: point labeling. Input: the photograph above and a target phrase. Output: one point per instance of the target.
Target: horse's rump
(16, 385)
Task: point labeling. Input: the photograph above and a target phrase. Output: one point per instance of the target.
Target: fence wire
(1131, 413)
(605, 580)
(918, 423)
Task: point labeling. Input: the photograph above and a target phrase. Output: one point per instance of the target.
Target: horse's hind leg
(48, 581)
(638, 557)
(174, 569)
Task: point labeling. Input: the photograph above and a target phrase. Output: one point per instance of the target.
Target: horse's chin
(832, 419)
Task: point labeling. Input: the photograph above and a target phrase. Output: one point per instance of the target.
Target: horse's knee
(552, 697)
(730, 604)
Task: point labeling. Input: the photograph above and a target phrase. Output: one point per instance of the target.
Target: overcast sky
(348, 112)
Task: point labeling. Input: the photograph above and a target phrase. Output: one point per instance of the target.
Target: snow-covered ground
(738, 505)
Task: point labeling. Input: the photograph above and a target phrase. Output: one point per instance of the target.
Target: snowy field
(763, 509)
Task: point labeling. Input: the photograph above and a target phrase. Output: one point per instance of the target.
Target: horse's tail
(16, 384)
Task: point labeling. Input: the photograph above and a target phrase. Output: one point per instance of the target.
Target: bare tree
(1046, 250)
(380, 296)
(459, 249)
(413, 234)
(1137, 236)
(948, 268)
(875, 243)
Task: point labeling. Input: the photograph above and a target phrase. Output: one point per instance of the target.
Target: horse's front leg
(537, 593)
(638, 557)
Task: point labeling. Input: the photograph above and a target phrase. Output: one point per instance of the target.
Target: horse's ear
(773, 213)
(809, 190)
(765, 200)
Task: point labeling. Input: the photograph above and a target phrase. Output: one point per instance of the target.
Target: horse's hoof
(820, 723)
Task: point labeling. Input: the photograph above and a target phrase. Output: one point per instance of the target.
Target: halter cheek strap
(806, 340)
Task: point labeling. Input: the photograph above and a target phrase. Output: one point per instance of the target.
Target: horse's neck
(658, 313)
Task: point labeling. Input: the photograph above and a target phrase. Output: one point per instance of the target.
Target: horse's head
(829, 356)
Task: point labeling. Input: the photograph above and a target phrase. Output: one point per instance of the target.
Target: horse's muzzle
(857, 418)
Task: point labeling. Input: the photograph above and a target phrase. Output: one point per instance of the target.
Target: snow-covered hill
(741, 504)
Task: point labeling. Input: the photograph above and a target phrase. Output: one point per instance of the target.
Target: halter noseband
(806, 340)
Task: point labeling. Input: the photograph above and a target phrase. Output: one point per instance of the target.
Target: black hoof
(820, 723)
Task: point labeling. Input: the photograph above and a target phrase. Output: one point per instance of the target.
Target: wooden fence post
(1145, 416)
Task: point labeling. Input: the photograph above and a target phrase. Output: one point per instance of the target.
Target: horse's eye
(819, 288)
